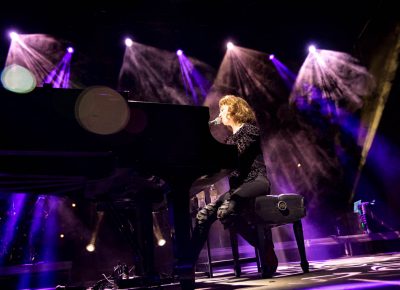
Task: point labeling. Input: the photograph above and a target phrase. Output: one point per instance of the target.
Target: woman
(246, 182)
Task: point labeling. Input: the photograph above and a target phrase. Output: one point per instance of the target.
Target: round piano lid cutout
(102, 110)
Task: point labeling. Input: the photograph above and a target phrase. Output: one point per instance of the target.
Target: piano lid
(159, 138)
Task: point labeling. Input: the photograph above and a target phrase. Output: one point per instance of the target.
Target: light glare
(18, 79)
(128, 42)
(90, 248)
(13, 35)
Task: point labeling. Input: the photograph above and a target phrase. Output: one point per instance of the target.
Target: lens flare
(18, 79)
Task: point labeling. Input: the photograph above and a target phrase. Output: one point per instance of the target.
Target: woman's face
(224, 115)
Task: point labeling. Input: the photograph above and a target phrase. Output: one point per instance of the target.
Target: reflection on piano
(46, 149)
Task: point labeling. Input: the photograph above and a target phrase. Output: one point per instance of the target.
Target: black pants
(241, 197)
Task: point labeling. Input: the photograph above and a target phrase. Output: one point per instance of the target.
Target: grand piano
(95, 144)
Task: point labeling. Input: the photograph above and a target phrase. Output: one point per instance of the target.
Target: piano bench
(272, 211)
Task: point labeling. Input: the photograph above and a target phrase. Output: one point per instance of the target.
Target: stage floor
(377, 271)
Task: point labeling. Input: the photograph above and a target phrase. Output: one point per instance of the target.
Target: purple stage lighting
(70, 49)
(312, 48)
(179, 52)
(13, 35)
(230, 45)
(128, 42)
(271, 56)
(194, 83)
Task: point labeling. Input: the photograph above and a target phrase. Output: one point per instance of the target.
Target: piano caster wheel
(238, 271)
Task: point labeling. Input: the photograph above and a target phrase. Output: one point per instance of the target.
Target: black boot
(269, 263)
(268, 258)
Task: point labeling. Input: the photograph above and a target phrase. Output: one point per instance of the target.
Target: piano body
(46, 149)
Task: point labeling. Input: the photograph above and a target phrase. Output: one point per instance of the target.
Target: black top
(251, 160)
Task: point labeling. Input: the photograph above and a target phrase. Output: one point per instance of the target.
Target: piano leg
(178, 206)
(136, 223)
(144, 227)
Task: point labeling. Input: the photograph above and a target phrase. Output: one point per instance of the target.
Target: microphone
(216, 121)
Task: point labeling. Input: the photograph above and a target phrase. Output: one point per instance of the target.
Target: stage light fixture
(90, 247)
(13, 35)
(157, 231)
(128, 42)
(161, 242)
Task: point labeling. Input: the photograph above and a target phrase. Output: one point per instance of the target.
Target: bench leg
(209, 259)
(235, 252)
(257, 254)
(298, 233)
(267, 256)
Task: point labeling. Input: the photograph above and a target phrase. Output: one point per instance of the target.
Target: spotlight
(230, 45)
(70, 49)
(271, 56)
(161, 242)
(157, 232)
(179, 52)
(13, 35)
(128, 42)
(90, 247)
(312, 48)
